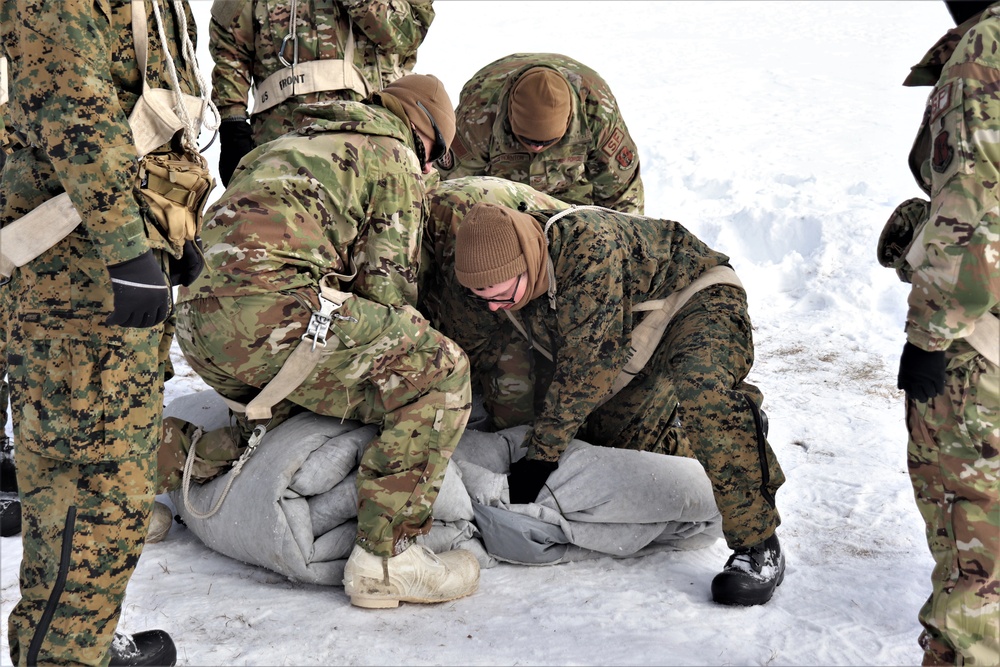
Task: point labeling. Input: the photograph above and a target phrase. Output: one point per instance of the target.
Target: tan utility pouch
(174, 190)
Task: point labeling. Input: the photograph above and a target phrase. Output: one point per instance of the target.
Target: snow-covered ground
(778, 132)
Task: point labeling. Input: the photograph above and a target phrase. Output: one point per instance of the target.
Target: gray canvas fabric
(293, 507)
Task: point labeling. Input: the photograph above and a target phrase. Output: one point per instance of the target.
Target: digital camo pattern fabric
(596, 161)
(691, 399)
(86, 397)
(954, 438)
(343, 195)
(248, 38)
(450, 308)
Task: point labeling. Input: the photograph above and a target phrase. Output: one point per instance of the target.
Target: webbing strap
(301, 362)
(312, 76)
(32, 234)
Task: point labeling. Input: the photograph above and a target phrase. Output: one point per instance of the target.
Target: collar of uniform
(928, 70)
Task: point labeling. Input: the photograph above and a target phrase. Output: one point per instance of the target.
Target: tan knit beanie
(487, 251)
(540, 104)
(429, 91)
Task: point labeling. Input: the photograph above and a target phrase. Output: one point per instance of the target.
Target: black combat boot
(10, 504)
(152, 647)
(751, 574)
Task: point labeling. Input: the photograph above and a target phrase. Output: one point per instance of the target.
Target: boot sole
(372, 602)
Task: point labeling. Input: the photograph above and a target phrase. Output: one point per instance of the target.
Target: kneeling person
(585, 290)
(313, 251)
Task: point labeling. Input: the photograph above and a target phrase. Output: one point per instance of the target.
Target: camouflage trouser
(383, 366)
(86, 404)
(691, 400)
(954, 461)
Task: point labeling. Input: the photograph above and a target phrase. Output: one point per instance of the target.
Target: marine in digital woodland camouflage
(342, 196)
(448, 306)
(691, 399)
(954, 438)
(595, 162)
(86, 396)
(248, 38)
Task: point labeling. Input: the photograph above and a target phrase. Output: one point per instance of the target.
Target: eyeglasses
(510, 300)
(440, 147)
(536, 143)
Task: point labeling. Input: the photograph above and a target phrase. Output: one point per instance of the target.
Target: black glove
(183, 271)
(235, 141)
(142, 295)
(921, 373)
(527, 477)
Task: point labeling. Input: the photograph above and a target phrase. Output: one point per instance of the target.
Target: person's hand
(141, 293)
(527, 477)
(235, 141)
(183, 271)
(921, 373)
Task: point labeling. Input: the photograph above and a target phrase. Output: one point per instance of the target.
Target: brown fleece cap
(487, 250)
(540, 105)
(429, 91)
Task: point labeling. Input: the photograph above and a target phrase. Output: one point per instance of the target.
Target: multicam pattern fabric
(954, 438)
(342, 195)
(691, 399)
(450, 308)
(246, 49)
(596, 161)
(86, 397)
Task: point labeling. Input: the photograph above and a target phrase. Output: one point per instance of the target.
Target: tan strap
(312, 76)
(32, 234)
(647, 334)
(300, 363)
(153, 120)
(986, 338)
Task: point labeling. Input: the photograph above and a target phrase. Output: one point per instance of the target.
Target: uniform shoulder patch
(614, 142)
(625, 158)
(940, 101)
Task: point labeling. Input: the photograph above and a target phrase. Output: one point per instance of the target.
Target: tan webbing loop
(32, 234)
(647, 334)
(312, 76)
(303, 359)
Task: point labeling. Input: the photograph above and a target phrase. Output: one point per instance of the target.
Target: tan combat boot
(159, 523)
(416, 575)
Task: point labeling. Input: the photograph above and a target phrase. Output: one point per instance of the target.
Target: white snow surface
(778, 132)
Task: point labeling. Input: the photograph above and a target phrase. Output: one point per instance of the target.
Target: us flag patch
(940, 101)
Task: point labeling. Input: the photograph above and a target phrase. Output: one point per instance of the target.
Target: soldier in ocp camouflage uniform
(447, 305)
(87, 345)
(690, 399)
(587, 155)
(340, 201)
(952, 389)
(251, 40)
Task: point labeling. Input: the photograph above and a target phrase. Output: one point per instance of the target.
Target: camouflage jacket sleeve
(590, 344)
(387, 250)
(232, 49)
(957, 273)
(67, 99)
(395, 27)
(613, 164)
